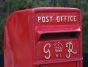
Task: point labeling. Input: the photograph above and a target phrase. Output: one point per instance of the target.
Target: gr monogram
(58, 47)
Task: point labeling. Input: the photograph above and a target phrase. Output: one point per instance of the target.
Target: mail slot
(43, 37)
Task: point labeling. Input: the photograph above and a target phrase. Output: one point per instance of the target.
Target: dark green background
(8, 6)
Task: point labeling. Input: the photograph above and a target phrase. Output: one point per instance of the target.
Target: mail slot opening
(50, 36)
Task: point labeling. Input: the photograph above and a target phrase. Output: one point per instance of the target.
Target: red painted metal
(43, 37)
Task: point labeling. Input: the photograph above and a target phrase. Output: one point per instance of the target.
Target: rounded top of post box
(40, 9)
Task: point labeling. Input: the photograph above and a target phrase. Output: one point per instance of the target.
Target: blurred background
(9, 6)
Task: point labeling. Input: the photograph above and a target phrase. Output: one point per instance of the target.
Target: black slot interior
(50, 36)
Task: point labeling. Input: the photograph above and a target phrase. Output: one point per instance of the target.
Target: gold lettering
(69, 45)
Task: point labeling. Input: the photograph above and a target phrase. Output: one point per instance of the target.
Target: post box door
(57, 49)
(60, 50)
(58, 36)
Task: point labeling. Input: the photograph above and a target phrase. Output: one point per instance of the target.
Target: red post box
(43, 37)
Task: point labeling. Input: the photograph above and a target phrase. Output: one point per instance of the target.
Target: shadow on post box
(44, 37)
